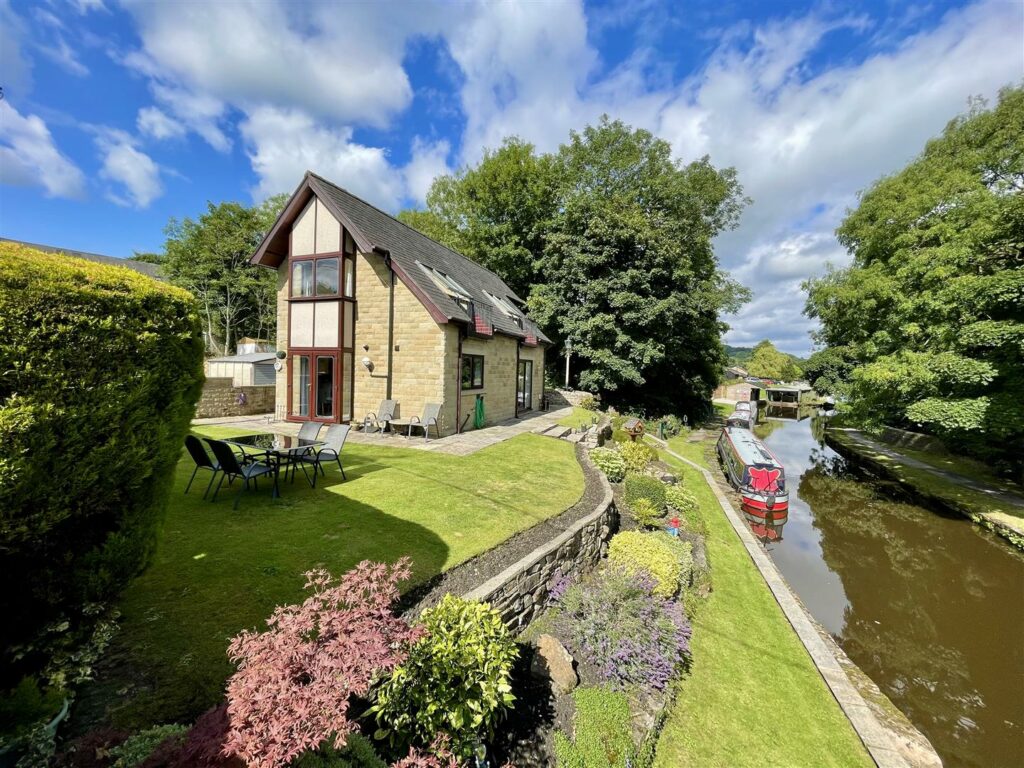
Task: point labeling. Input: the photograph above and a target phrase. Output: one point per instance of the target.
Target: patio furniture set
(265, 454)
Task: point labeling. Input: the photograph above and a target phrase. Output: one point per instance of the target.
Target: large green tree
(209, 257)
(611, 241)
(766, 362)
(931, 310)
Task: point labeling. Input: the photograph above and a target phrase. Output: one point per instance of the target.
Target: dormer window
(507, 308)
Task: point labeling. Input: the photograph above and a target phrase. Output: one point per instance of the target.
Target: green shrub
(651, 552)
(637, 455)
(683, 551)
(456, 679)
(610, 462)
(590, 403)
(645, 513)
(134, 751)
(602, 726)
(681, 499)
(673, 425)
(358, 752)
(102, 368)
(636, 487)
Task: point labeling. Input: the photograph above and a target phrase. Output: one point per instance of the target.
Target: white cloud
(29, 156)
(284, 144)
(201, 112)
(87, 6)
(135, 176)
(342, 62)
(428, 161)
(56, 49)
(156, 123)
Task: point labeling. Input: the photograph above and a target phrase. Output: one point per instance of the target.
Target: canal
(930, 607)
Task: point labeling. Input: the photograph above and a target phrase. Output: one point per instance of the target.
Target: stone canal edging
(878, 741)
(521, 590)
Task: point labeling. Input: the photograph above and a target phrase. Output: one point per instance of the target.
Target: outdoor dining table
(278, 447)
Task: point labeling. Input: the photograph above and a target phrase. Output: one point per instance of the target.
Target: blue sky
(118, 116)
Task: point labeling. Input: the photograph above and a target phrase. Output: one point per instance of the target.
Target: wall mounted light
(368, 363)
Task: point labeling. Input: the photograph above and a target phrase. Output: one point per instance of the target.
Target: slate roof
(139, 266)
(375, 230)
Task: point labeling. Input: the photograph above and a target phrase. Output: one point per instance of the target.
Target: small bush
(294, 681)
(681, 499)
(455, 681)
(637, 455)
(590, 403)
(358, 752)
(610, 462)
(630, 636)
(645, 513)
(638, 487)
(602, 726)
(102, 367)
(134, 751)
(683, 551)
(652, 553)
(673, 425)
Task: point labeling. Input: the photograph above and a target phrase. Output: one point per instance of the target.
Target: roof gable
(409, 251)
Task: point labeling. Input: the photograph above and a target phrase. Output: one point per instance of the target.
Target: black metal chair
(334, 441)
(202, 460)
(231, 468)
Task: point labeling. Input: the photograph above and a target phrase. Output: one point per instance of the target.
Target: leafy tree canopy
(766, 362)
(209, 257)
(610, 240)
(931, 311)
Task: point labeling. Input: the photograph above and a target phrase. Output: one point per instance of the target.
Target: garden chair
(202, 460)
(334, 441)
(431, 413)
(231, 468)
(309, 430)
(386, 413)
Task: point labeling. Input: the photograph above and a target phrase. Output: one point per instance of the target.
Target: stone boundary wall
(901, 438)
(520, 591)
(220, 398)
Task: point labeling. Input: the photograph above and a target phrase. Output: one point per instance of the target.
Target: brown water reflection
(930, 607)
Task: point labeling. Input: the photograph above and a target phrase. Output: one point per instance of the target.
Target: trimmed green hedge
(100, 371)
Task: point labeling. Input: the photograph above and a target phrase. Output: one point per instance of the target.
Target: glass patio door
(314, 386)
(524, 386)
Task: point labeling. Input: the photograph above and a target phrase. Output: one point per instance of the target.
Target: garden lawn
(577, 417)
(753, 698)
(218, 571)
(694, 451)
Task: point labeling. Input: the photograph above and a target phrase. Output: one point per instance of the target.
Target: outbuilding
(253, 369)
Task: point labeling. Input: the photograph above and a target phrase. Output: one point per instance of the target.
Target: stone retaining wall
(520, 591)
(220, 398)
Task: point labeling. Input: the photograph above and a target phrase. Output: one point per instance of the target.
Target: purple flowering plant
(629, 635)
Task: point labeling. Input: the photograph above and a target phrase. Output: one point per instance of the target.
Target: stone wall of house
(500, 371)
(220, 398)
(520, 591)
(418, 355)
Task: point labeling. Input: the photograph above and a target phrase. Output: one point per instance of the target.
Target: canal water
(930, 607)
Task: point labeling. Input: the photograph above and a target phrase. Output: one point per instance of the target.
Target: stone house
(370, 309)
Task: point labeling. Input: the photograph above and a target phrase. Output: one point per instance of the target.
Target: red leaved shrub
(92, 750)
(202, 747)
(291, 691)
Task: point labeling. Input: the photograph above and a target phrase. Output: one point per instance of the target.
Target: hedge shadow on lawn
(218, 571)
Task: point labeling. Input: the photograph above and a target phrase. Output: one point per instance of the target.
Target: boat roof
(750, 449)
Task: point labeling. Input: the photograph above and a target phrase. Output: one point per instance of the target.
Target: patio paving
(455, 445)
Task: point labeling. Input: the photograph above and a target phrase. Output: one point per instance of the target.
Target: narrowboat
(738, 418)
(755, 472)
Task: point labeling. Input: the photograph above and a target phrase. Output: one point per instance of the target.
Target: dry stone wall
(221, 398)
(520, 592)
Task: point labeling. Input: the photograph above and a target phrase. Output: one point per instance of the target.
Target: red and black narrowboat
(755, 472)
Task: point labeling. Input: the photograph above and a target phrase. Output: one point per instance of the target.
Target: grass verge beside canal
(754, 697)
(986, 509)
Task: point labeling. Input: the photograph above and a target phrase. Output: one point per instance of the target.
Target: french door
(315, 386)
(524, 386)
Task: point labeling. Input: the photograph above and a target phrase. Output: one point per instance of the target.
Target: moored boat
(755, 472)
